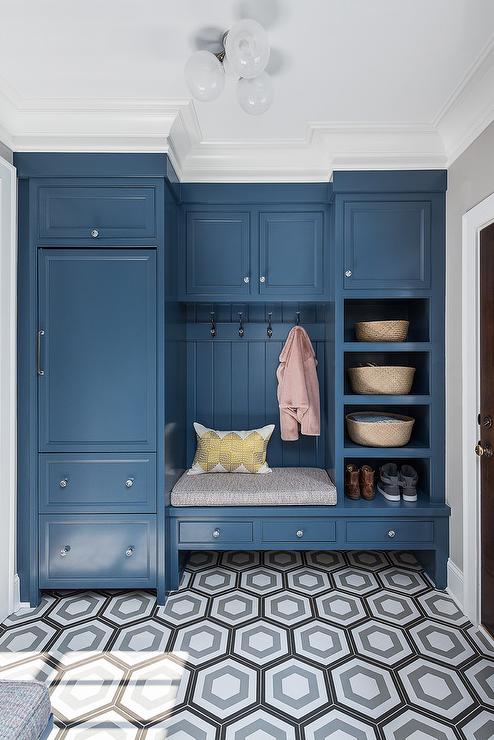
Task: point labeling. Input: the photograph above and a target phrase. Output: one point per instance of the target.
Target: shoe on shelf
(408, 479)
(352, 488)
(388, 483)
(367, 482)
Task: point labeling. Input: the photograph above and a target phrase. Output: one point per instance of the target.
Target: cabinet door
(387, 244)
(97, 356)
(218, 254)
(291, 254)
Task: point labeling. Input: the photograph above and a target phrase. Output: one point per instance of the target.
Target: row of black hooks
(241, 330)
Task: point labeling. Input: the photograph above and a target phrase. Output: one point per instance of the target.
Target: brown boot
(367, 482)
(352, 488)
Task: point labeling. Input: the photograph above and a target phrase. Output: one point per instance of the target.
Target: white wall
(470, 180)
(6, 153)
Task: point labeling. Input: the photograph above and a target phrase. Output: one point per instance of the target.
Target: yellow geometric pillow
(231, 452)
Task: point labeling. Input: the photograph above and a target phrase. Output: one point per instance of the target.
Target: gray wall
(470, 180)
(5, 152)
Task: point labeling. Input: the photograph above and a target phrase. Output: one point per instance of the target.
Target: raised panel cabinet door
(291, 254)
(93, 212)
(387, 244)
(97, 355)
(217, 254)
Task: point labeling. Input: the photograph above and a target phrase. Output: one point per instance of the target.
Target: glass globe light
(247, 48)
(255, 96)
(205, 76)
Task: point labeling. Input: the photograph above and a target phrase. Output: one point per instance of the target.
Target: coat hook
(241, 331)
(212, 331)
(298, 318)
(270, 328)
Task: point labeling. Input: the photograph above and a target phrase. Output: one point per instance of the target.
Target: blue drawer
(201, 533)
(389, 531)
(92, 551)
(294, 530)
(97, 482)
(94, 212)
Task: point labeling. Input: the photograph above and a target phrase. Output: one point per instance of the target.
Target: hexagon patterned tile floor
(261, 646)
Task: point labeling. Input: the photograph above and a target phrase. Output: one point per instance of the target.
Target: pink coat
(298, 387)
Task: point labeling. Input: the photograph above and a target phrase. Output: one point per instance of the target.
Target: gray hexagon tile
(25, 641)
(411, 725)
(441, 642)
(241, 560)
(321, 642)
(481, 727)
(308, 581)
(438, 605)
(481, 677)
(261, 642)
(482, 641)
(338, 725)
(80, 642)
(261, 581)
(86, 688)
(184, 725)
(225, 688)
(235, 607)
(202, 560)
(381, 642)
(138, 643)
(129, 607)
(282, 560)
(393, 608)
(153, 690)
(36, 669)
(73, 609)
(325, 560)
(366, 688)
(406, 560)
(339, 607)
(295, 688)
(287, 608)
(260, 725)
(214, 581)
(435, 688)
(406, 582)
(370, 560)
(22, 616)
(182, 607)
(201, 642)
(108, 725)
(356, 581)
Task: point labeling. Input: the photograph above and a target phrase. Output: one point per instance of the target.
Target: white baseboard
(455, 583)
(18, 604)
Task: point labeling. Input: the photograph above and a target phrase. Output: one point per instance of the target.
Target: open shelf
(421, 465)
(414, 310)
(418, 360)
(420, 431)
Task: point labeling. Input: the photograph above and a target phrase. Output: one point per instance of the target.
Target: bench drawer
(389, 531)
(97, 551)
(97, 482)
(199, 533)
(309, 530)
(94, 212)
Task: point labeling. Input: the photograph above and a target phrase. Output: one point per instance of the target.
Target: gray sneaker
(388, 483)
(408, 479)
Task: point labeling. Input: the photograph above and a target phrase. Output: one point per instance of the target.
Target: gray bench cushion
(25, 710)
(284, 486)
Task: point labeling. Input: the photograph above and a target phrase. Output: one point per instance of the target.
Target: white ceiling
(358, 83)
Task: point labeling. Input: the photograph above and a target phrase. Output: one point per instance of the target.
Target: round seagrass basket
(381, 331)
(371, 379)
(373, 429)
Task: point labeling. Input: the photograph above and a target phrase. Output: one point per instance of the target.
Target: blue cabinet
(95, 212)
(386, 243)
(291, 254)
(218, 254)
(97, 355)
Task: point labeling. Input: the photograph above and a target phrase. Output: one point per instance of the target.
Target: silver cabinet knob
(262, 279)
(130, 551)
(64, 551)
(64, 483)
(129, 482)
(300, 533)
(94, 233)
(216, 533)
(246, 279)
(391, 533)
(348, 273)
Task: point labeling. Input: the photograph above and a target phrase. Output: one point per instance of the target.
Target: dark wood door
(486, 430)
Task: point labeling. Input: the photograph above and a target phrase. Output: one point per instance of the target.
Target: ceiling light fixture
(246, 48)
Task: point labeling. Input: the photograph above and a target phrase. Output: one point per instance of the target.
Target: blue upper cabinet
(97, 356)
(217, 254)
(386, 243)
(95, 212)
(291, 254)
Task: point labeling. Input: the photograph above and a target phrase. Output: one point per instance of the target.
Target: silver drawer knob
(129, 482)
(348, 273)
(130, 551)
(246, 279)
(262, 279)
(300, 533)
(391, 533)
(64, 483)
(94, 233)
(64, 551)
(216, 533)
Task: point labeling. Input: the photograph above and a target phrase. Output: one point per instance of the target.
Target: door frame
(8, 378)
(474, 220)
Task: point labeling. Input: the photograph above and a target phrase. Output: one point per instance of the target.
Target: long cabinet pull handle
(41, 333)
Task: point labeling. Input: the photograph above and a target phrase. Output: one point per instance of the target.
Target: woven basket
(376, 432)
(381, 331)
(381, 380)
